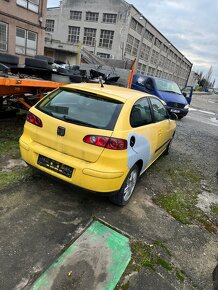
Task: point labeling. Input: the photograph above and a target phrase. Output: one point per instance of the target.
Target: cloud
(191, 26)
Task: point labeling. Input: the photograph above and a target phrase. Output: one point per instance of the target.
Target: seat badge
(60, 131)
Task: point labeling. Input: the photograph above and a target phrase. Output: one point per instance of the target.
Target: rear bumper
(103, 181)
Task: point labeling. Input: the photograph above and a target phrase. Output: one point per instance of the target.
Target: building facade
(113, 29)
(22, 27)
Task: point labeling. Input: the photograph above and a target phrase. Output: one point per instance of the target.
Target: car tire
(49, 59)
(167, 150)
(180, 117)
(123, 196)
(9, 59)
(75, 79)
(36, 63)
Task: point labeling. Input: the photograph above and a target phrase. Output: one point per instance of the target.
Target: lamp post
(140, 43)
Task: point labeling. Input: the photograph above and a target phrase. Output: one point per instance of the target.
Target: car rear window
(82, 108)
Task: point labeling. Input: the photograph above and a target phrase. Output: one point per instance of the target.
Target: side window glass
(160, 112)
(141, 113)
(149, 85)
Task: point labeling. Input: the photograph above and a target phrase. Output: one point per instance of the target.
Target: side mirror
(173, 116)
(184, 94)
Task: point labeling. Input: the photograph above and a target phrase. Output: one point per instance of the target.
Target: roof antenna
(101, 81)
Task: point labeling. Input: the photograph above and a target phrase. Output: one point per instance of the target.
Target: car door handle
(160, 132)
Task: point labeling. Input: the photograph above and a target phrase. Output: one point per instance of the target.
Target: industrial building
(22, 27)
(112, 29)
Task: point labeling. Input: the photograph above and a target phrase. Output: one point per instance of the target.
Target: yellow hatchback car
(100, 138)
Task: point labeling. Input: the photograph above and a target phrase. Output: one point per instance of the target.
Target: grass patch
(151, 256)
(12, 177)
(214, 209)
(125, 286)
(180, 275)
(9, 147)
(183, 182)
(9, 138)
(143, 256)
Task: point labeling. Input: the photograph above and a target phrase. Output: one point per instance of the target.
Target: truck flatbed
(21, 89)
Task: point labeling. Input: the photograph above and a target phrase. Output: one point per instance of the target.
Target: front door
(162, 124)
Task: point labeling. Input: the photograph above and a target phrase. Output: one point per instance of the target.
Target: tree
(205, 80)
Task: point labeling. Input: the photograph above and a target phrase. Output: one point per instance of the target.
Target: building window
(143, 69)
(73, 34)
(145, 51)
(132, 45)
(162, 60)
(157, 42)
(106, 38)
(3, 36)
(109, 18)
(148, 35)
(76, 15)
(139, 28)
(139, 68)
(165, 48)
(154, 57)
(129, 43)
(32, 5)
(89, 36)
(158, 73)
(92, 16)
(103, 55)
(135, 25)
(135, 47)
(49, 26)
(151, 71)
(26, 42)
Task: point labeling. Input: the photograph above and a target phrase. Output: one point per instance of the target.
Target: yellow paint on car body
(96, 168)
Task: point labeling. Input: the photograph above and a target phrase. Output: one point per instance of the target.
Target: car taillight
(106, 142)
(33, 119)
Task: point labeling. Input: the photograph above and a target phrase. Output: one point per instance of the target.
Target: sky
(191, 26)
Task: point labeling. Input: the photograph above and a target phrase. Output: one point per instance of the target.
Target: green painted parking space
(96, 260)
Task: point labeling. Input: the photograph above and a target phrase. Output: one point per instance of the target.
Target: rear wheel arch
(139, 164)
(123, 196)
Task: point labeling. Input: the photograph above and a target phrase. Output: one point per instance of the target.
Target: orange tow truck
(22, 93)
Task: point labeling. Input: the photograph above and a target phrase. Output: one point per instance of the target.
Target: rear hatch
(68, 116)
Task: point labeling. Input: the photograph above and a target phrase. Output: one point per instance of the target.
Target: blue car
(168, 91)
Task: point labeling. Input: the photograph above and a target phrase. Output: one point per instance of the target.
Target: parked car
(215, 90)
(98, 138)
(168, 91)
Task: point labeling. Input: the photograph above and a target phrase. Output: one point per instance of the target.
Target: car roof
(114, 92)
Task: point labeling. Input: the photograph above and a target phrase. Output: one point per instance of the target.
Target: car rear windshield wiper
(78, 122)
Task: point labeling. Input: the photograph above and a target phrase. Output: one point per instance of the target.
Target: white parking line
(206, 112)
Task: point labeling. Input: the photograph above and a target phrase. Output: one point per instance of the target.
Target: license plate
(174, 111)
(55, 166)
